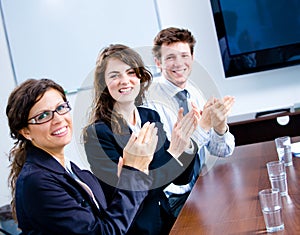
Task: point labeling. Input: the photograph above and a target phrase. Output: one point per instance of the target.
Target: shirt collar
(172, 89)
(67, 163)
(138, 125)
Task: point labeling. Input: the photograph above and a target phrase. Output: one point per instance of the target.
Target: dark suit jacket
(103, 149)
(50, 201)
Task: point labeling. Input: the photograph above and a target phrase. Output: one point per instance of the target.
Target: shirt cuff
(191, 149)
(227, 129)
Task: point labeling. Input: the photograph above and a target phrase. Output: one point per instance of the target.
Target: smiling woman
(120, 82)
(52, 136)
(51, 195)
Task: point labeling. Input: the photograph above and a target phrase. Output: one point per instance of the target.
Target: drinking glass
(284, 152)
(271, 206)
(277, 176)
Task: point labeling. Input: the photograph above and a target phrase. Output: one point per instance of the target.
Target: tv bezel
(262, 64)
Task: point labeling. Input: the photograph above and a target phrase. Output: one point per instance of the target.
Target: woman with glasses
(51, 195)
(120, 81)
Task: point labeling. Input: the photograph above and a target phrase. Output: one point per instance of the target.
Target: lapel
(92, 182)
(43, 159)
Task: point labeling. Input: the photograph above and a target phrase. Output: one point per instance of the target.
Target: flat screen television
(257, 35)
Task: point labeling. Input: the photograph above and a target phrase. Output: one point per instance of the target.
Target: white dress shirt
(161, 97)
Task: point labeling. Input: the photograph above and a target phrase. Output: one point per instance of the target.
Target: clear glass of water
(271, 206)
(283, 147)
(277, 176)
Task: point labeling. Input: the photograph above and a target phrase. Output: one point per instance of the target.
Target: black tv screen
(257, 35)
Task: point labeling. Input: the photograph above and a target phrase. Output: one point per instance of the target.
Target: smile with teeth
(179, 71)
(124, 90)
(60, 131)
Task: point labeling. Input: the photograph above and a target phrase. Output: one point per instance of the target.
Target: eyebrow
(113, 72)
(45, 110)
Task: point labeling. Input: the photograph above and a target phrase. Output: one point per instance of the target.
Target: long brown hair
(19, 104)
(103, 102)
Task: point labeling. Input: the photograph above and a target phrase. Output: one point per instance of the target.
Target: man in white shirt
(173, 53)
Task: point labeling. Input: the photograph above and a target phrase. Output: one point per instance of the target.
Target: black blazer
(103, 149)
(50, 201)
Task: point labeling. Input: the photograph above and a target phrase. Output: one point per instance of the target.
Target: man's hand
(219, 113)
(182, 131)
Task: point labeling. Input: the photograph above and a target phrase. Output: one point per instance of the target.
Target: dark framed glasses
(48, 115)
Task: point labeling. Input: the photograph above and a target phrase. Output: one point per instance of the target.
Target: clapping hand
(219, 113)
(205, 120)
(139, 150)
(182, 131)
(215, 113)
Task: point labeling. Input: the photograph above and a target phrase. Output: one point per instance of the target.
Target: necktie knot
(182, 95)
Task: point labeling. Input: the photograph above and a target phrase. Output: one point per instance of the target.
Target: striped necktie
(181, 98)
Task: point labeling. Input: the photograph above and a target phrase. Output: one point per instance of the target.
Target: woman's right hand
(138, 152)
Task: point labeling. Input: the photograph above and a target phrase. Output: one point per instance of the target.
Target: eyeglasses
(48, 115)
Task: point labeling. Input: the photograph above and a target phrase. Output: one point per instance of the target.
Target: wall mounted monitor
(257, 35)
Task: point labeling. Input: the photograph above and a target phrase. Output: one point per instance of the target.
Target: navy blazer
(103, 149)
(50, 201)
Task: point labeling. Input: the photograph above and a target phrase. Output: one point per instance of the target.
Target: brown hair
(172, 35)
(19, 104)
(103, 103)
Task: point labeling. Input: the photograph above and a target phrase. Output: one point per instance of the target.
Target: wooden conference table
(225, 197)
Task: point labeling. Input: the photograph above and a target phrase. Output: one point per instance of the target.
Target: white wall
(254, 92)
(61, 39)
(7, 84)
